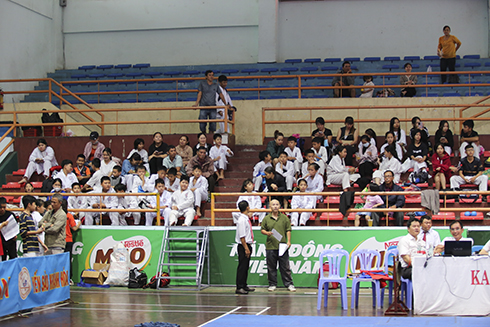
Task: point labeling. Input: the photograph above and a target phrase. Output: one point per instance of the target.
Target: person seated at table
(470, 171)
(394, 201)
(41, 160)
(348, 136)
(428, 234)
(469, 136)
(456, 228)
(408, 247)
(486, 249)
(94, 148)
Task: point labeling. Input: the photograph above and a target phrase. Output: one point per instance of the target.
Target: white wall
(30, 41)
(340, 28)
(162, 32)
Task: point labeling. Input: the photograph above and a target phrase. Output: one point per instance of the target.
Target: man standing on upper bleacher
(206, 96)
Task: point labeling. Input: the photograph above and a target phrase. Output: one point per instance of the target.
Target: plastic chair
(334, 258)
(406, 291)
(366, 259)
(390, 253)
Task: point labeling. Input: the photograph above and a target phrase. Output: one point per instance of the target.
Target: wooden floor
(123, 307)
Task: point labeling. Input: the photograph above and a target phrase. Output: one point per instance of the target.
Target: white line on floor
(223, 315)
(261, 312)
(141, 310)
(165, 305)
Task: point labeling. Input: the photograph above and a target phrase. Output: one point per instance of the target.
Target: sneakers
(291, 288)
(271, 288)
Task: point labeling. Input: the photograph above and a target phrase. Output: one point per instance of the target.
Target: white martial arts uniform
(175, 186)
(323, 153)
(221, 112)
(392, 164)
(184, 201)
(257, 174)
(288, 173)
(398, 149)
(302, 202)
(221, 152)
(94, 181)
(338, 173)
(110, 202)
(165, 210)
(78, 202)
(315, 184)
(201, 189)
(106, 168)
(66, 180)
(296, 153)
(254, 202)
(128, 202)
(43, 167)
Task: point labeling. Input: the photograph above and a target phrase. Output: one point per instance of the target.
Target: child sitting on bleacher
(182, 204)
(321, 153)
(131, 164)
(140, 181)
(469, 136)
(126, 202)
(117, 178)
(139, 148)
(108, 202)
(258, 173)
(367, 92)
(388, 162)
(165, 198)
(77, 202)
(294, 155)
(172, 183)
(219, 154)
(302, 202)
(314, 180)
(160, 174)
(94, 180)
(199, 187)
(285, 168)
(338, 173)
(254, 201)
(81, 170)
(372, 201)
(310, 158)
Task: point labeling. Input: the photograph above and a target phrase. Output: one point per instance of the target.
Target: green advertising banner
(94, 244)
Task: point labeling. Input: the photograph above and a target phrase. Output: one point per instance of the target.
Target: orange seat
(479, 216)
(446, 215)
(332, 199)
(331, 216)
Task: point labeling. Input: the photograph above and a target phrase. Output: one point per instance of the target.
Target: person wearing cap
(93, 148)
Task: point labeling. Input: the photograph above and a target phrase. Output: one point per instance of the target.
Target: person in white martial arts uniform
(219, 154)
(338, 173)
(302, 202)
(182, 204)
(294, 155)
(41, 160)
(285, 168)
(259, 168)
(165, 198)
(199, 186)
(107, 202)
(253, 200)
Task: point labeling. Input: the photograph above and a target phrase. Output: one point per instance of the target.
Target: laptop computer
(457, 248)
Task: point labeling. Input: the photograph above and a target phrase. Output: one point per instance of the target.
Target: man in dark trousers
(394, 201)
(9, 246)
(244, 237)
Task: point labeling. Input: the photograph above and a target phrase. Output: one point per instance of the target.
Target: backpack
(47, 185)
(419, 177)
(468, 197)
(153, 282)
(53, 118)
(137, 278)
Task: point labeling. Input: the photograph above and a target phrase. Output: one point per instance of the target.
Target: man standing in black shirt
(9, 246)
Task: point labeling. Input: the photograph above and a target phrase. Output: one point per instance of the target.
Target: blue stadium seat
(392, 59)
(411, 58)
(415, 66)
(430, 95)
(390, 67)
(153, 74)
(487, 64)
(372, 59)
(250, 71)
(191, 72)
(96, 76)
(140, 66)
(289, 69)
(431, 58)
(115, 75)
(471, 56)
(473, 94)
(309, 69)
(79, 76)
(332, 60)
(433, 65)
(293, 61)
(103, 67)
(238, 98)
(269, 70)
(134, 75)
(329, 68)
(312, 60)
(277, 97)
(451, 94)
(122, 66)
(352, 59)
(172, 73)
(229, 71)
(458, 57)
(472, 64)
(87, 67)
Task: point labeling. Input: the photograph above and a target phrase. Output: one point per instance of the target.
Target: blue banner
(26, 283)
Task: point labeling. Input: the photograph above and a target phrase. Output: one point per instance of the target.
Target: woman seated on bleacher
(348, 136)
(417, 154)
(390, 140)
(389, 161)
(408, 80)
(41, 160)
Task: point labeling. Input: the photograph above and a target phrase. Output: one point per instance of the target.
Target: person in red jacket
(441, 164)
